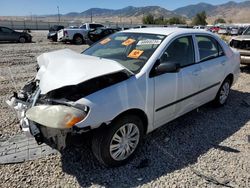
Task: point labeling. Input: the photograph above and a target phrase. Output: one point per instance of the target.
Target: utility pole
(91, 17)
(58, 10)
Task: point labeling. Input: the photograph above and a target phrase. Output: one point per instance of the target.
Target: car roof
(165, 30)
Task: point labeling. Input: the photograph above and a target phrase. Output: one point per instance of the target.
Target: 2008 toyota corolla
(124, 87)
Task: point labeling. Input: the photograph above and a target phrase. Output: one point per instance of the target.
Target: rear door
(213, 62)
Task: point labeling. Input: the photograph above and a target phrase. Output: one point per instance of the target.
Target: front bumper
(55, 138)
(28, 127)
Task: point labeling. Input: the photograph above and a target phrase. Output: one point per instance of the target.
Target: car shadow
(169, 148)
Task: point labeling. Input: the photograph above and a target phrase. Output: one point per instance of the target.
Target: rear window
(209, 48)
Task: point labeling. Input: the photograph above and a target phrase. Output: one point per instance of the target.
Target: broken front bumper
(54, 137)
(27, 126)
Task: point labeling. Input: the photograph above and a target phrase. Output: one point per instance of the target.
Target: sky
(44, 7)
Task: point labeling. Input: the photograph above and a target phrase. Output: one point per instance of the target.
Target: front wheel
(22, 39)
(222, 95)
(116, 144)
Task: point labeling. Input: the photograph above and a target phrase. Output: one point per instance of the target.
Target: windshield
(132, 50)
(247, 31)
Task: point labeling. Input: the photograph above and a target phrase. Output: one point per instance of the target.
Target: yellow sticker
(105, 41)
(135, 54)
(128, 42)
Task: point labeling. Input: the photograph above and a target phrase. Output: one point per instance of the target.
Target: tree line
(199, 19)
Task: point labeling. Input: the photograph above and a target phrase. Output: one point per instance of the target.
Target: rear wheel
(78, 40)
(22, 39)
(222, 95)
(116, 144)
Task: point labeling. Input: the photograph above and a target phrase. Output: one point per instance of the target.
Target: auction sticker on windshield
(148, 42)
(128, 42)
(105, 41)
(135, 54)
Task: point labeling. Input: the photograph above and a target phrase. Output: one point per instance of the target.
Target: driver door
(171, 89)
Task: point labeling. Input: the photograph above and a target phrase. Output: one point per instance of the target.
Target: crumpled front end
(47, 120)
(48, 107)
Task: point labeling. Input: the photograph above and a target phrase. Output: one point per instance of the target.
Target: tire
(22, 39)
(108, 136)
(223, 93)
(78, 40)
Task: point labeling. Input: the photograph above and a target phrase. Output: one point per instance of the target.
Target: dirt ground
(205, 148)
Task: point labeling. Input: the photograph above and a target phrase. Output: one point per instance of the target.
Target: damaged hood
(66, 67)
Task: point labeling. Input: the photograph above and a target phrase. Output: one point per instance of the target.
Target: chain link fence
(43, 25)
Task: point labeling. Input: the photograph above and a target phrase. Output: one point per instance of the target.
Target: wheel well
(138, 113)
(231, 78)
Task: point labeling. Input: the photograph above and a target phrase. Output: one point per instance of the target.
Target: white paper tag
(148, 42)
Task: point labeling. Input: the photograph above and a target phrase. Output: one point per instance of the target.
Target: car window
(83, 27)
(209, 48)
(247, 31)
(6, 30)
(93, 26)
(180, 51)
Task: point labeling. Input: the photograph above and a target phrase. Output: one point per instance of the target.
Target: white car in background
(223, 31)
(124, 87)
(76, 35)
(199, 27)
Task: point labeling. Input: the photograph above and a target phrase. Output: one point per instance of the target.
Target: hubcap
(78, 40)
(22, 40)
(124, 142)
(224, 92)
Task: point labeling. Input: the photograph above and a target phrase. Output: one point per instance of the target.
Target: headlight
(55, 116)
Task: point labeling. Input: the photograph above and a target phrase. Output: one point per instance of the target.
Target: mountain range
(231, 11)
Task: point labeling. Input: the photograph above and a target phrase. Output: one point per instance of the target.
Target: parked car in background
(223, 31)
(9, 35)
(199, 27)
(124, 87)
(233, 31)
(242, 44)
(214, 29)
(139, 26)
(98, 34)
(241, 30)
(52, 35)
(77, 35)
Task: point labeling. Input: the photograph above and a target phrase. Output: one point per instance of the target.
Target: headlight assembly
(55, 116)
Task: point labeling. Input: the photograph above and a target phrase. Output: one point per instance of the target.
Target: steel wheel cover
(224, 92)
(124, 142)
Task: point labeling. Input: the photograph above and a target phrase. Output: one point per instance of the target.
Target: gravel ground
(209, 147)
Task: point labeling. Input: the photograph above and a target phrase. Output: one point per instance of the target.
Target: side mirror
(165, 67)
